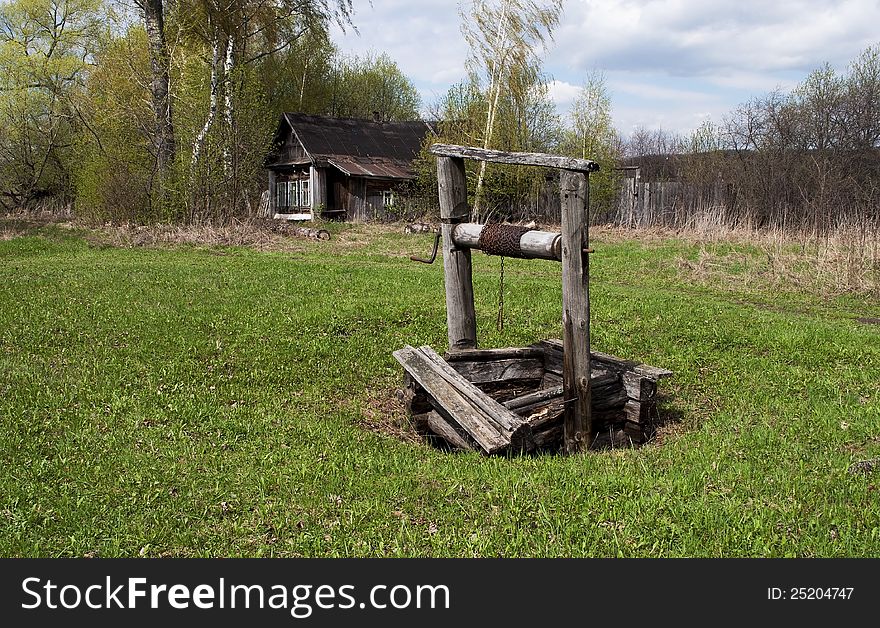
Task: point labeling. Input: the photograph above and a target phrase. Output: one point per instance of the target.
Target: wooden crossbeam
(520, 159)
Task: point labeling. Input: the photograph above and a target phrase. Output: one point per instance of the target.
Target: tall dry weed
(842, 259)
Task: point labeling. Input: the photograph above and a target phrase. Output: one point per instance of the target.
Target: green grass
(210, 402)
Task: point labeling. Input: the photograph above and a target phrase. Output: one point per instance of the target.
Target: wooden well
(499, 401)
(538, 397)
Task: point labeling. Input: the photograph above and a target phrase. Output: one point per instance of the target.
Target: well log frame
(571, 247)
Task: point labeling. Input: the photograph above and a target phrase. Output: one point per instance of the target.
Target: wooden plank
(499, 370)
(357, 199)
(484, 355)
(508, 389)
(457, 438)
(645, 370)
(521, 159)
(638, 411)
(551, 379)
(606, 384)
(461, 319)
(318, 177)
(539, 417)
(553, 364)
(537, 397)
(554, 352)
(550, 437)
(511, 427)
(613, 399)
(639, 387)
(574, 197)
(634, 431)
(607, 402)
(653, 372)
(447, 400)
(490, 424)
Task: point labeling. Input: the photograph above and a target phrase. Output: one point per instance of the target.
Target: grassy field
(231, 401)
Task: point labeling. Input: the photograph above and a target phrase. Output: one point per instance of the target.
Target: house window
(290, 194)
(388, 198)
(281, 195)
(305, 199)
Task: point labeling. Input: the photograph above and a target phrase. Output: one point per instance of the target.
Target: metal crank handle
(429, 260)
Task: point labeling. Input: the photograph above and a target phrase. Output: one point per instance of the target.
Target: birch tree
(240, 34)
(593, 136)
(591, 118)
(505, 37)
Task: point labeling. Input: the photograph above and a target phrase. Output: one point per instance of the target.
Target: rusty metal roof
(372, 167)
(362, 148)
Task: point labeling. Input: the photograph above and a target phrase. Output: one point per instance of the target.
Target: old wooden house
(340, 168)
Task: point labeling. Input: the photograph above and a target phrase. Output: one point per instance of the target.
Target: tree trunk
(228, 112)
(199, 145)
(160, 92)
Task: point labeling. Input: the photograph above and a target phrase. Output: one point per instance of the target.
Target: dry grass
(385, 413)
(846, 260)
(22, 223)
(257, 234)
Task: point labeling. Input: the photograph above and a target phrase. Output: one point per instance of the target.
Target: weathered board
(485, 355)
(500, 370)
(519, 159)
(455, 436)
(460, 403)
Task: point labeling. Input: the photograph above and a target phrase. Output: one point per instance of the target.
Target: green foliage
(528, 123)
(45, 48)
(115, 174)
(298, 79)
(505, 38)
(361, 86)
(78, 110)
(313, 78)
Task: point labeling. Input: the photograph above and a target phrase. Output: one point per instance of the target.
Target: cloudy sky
(668, 63)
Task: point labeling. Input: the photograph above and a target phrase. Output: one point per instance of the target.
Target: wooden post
(461, 320)
(574, 192)
(272, 197)
(318, 177)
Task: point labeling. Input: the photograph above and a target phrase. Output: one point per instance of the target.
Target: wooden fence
(669, 203)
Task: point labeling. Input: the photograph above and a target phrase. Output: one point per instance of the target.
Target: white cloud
(753, 82)
(669, 62)
(562, 93)
(645, 90)
(422, 37)
(693, 37)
